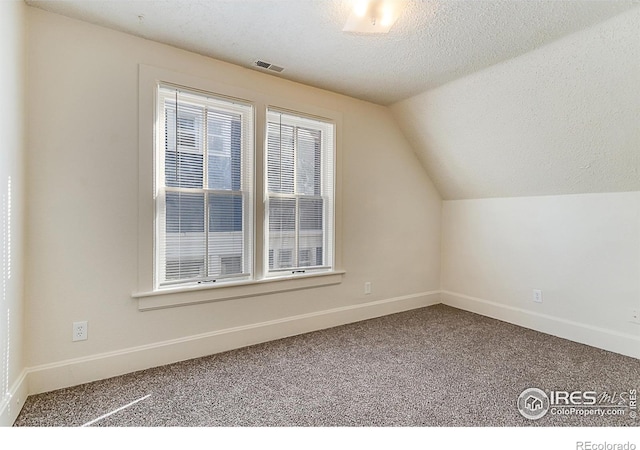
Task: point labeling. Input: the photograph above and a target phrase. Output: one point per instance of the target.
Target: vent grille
(268, 66)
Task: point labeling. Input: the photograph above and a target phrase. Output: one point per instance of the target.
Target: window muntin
(204, 192)
(299, 193)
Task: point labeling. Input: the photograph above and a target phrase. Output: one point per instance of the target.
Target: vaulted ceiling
(433, 42)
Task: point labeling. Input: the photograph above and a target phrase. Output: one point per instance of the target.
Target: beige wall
(582, 251)
(82, 221)
(12, 146)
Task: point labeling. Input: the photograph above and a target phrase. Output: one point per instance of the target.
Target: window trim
(151, 298)
(168, 298)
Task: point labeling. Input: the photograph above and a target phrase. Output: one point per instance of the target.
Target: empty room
(337, 213)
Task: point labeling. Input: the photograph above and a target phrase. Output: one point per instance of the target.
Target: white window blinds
(203, 185)
(299, 193)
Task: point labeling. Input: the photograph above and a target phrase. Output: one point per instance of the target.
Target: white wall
(582, 251)
(12, 146)
(562, 119)
(82, 221)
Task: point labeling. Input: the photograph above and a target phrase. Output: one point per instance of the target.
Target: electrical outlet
(537, 295)
(635, 316)
(80, 331)
(367, 287)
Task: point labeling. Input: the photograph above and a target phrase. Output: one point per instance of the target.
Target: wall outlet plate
(80, 331)
(537, 295)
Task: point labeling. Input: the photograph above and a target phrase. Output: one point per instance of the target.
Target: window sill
(169, 298)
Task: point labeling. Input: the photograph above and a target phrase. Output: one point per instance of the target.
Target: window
(203, 179)
(299, 193)
(202, 236)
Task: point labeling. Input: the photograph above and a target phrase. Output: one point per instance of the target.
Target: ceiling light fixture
(373, 16)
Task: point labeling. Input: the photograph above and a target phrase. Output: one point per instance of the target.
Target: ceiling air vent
(269, 66)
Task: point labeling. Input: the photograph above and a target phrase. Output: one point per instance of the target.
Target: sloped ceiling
(433, 42)
(562, 119)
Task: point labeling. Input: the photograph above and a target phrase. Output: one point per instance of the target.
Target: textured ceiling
(432, 43)
(562, 119)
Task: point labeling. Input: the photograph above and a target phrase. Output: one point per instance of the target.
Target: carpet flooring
(434, 366)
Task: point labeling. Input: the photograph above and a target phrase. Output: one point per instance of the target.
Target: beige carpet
(435, 366)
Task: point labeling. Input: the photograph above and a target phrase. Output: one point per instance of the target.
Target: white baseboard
(76, 371)
(72, 372)
(625, 344)
(13, 401)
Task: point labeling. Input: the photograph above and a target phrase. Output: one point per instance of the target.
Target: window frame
(326, 194)
(146, 293)
(206, 102)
